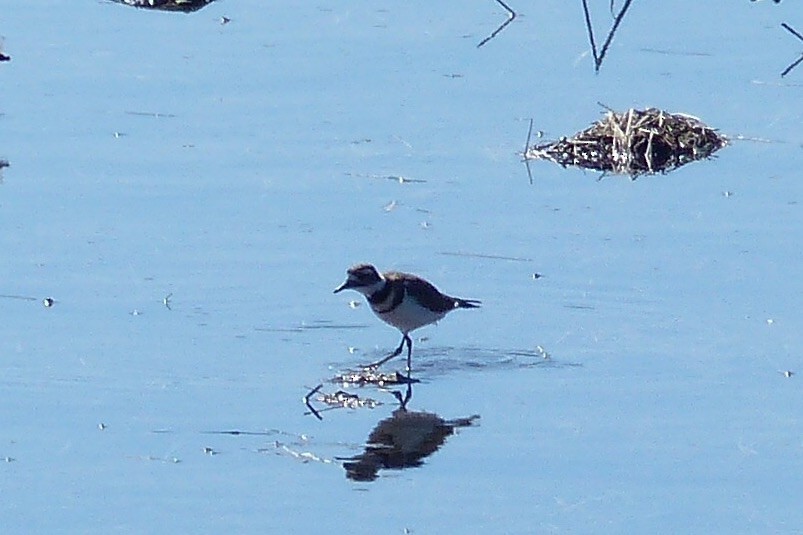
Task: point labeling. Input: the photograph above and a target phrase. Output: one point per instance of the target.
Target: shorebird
(402, 300)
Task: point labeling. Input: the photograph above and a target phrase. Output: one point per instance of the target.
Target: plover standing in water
(402, 300)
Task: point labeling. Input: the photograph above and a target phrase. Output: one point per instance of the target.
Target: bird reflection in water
(402, 441)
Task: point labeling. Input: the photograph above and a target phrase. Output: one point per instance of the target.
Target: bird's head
(363, 278)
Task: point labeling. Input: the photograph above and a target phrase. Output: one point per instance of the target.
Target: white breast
(409, 315)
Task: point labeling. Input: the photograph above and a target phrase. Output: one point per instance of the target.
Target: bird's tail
(466, 303)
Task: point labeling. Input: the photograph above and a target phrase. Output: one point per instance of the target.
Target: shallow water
(240, 169)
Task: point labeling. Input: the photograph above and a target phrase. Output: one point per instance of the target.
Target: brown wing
(424, 292)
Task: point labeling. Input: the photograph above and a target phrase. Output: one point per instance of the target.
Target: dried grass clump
(634, 143)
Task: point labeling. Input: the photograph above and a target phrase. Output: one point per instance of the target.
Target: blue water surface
(189, 193)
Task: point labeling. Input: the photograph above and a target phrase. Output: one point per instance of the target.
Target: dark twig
(510, 16)
(605, 107)
(799, 60)
(526, 149)
(590, 29)
(791, 30)
(309, 405)
(598, 57)
(529, 135)
(616, 23)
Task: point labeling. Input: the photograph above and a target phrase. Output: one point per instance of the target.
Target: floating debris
(344, 399)
(369, 376)
(339, 400)
(185, 6)
(302, 456)
(542, 353)
(634, 143)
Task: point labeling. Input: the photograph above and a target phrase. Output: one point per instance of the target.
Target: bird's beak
(344, 286)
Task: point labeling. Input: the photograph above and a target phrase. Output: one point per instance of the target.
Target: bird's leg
(404, 400)
(395, 354)
(409, 354)
(407, 396)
